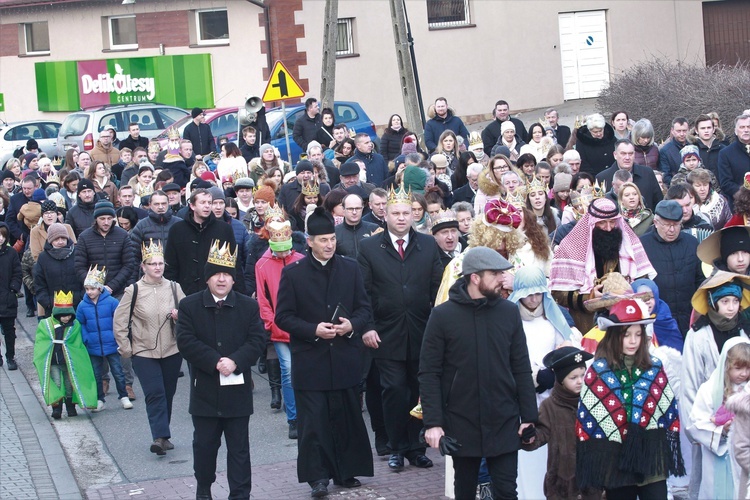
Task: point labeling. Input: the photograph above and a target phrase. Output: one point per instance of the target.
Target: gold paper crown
(63, 300)
(544, 123)
(221, 255)
(152, 250)
(579, 122)
(399, 196)
(475, 139)
(518, 200)
(173, 134)
(95, 276)
(57, 162)
(310, 189)
(600, 189)
(54, 178)
(274, 213)
(444, 216)
(536, 184)
(153, 146)
(279, 230)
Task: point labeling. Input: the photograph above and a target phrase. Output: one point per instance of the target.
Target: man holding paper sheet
(323, 305)
(220, 334)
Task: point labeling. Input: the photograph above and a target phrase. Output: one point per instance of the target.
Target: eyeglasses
(353, 209)
(670, 227)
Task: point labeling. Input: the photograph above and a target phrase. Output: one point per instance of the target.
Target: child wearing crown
(96, 314)
(61, 360)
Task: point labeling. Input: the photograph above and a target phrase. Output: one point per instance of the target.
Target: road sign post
(280, 87)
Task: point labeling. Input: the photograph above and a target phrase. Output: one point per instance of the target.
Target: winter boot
(70, 407)
(262, 364)
(57, 411)
(274, 380)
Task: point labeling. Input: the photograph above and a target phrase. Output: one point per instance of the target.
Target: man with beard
(600, 243)
(476, 383)
(674, 255)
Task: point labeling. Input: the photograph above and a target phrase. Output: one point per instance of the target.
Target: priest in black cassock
(323, 305)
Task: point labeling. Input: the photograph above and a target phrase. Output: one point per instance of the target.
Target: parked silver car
(82, 127)
(14, 135)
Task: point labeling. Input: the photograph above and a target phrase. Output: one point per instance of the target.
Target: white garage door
(583, 49)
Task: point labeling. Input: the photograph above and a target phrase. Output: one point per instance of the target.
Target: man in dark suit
(643, 177)
(323, 305)
(562, 133)
(402, 273)
(468, 191)
(220, 334)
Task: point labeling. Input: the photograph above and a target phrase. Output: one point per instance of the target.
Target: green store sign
(182, 81)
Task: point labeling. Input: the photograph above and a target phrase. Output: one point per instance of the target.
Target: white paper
(231, 379)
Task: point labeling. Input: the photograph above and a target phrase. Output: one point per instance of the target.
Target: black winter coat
(187, 249)
(733, 163)
(129, 142)
(670, 159)
(643, 177)
(596, 154)
(348, 238)
(205, 333)
(201, 137)
(308, 295)
(10, 279)
(474, 374)
(55, 270)
(15, 227)
(679, 272)
(115, 252)
(402, 291)
(437, 125)
(305, 129)
(81, 217)
(154, 227)
(710, 156)
(390, 143)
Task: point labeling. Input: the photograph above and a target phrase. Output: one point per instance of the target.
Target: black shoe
(57, 411)
(352, 482)
(276, 398)
(319, 490)
(262, 365)
(292, 429)
(421, 461)
(12, 364)
(396, 462)
(203, 493)
(158, 447)
(381, 444)
(30, 313)
(70, 407)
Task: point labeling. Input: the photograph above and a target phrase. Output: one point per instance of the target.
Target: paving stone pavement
(15, 478)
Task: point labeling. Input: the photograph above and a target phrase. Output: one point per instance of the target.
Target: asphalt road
(113, 446)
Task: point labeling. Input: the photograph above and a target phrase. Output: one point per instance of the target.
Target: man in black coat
(468, 191)
(475, 377)
(81, 216)
(492, 132)
(134, 138)
(220, 334)
(562, 133)
(323, 305)
(351, 232)
(189, 241)
(402, 273)
(643, 177)
(291, 190)
(307, 125)
(734, 160)
(199, 133)
(673, 253)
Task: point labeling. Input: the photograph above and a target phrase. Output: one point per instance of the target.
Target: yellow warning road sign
(281, 85)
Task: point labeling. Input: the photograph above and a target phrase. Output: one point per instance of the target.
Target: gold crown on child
(95, 277)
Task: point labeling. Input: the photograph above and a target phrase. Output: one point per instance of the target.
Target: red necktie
(400, 248)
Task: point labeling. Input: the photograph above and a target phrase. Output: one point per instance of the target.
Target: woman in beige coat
(144, 329)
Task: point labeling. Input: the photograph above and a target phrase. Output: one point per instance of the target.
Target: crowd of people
(480, 293)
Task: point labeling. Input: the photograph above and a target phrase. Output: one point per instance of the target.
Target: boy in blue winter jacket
(96, 314)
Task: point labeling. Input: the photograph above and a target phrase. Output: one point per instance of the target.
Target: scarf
(574, 267)
(666, 331)
(627, 426)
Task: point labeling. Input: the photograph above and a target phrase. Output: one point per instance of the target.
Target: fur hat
(562, 182)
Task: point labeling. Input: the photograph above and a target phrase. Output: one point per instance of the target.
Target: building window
(122, 33)
(448, 13)
(36, 38)
(345, 37)
(213, 26)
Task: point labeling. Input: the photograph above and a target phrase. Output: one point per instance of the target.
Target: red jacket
(267, 276)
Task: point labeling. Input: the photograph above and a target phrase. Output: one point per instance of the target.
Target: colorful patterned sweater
(627, 427)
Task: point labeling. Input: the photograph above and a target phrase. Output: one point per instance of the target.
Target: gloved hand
(527, 434)
(545, 379)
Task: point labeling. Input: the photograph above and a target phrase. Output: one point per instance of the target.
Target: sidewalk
(32, 463)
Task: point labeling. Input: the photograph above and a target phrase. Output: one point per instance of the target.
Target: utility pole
(330, 37)
(408, 78)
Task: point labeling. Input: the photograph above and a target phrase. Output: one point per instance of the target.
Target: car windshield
(74, 125)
